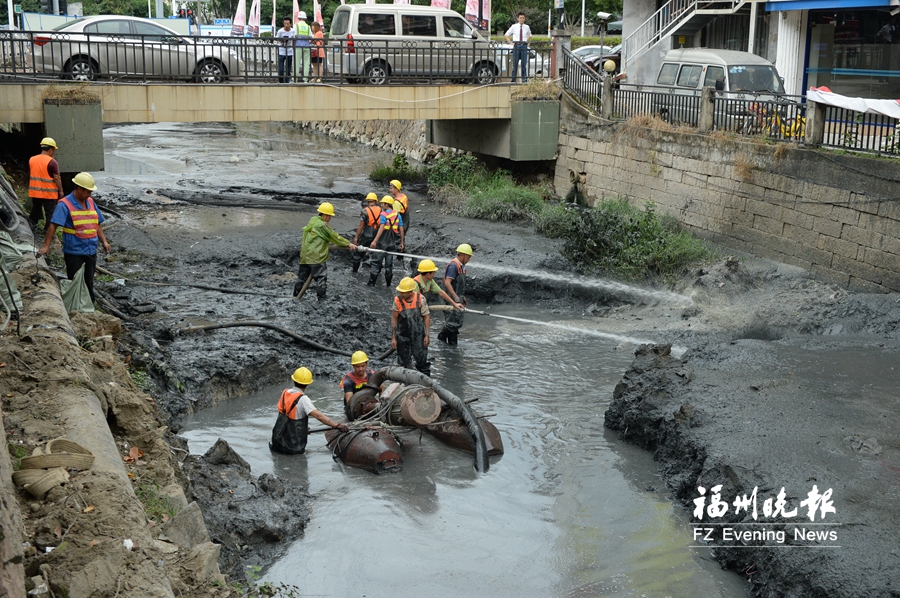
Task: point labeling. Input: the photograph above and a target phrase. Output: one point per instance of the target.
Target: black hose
(293, 335)
(13, 299)
(406, 376)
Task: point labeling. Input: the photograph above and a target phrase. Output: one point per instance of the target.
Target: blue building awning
(825, 4)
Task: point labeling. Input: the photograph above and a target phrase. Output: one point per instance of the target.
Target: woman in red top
(318, 53)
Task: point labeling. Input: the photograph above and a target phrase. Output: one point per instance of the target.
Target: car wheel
(484, 73)
(80, 69)
(210, 71)
(377, 73)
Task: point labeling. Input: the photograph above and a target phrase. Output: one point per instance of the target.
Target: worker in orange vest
(294, 409)
(367, 229)
(455, 285)
(398, 195)
(410, 319)
(45, 187)
(81, 223)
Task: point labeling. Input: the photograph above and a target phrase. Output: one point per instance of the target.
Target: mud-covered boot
(387, 280)
(355, 267)
(442, 335)
(372, 279)
(452, 337)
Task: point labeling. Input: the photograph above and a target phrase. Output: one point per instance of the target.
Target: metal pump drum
(412, 405)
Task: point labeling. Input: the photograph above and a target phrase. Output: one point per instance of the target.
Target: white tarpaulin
(823, 95)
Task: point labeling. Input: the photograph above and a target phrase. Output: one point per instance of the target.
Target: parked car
(375, 42)
(614, 54)
(130, 47)
(586, 53)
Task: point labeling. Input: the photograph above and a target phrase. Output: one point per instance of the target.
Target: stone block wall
(836, 215)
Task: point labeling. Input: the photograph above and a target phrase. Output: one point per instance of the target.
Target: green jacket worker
(317, 241)
(81, 221)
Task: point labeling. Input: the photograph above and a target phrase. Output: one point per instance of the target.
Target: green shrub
(401, 169)
(453, 170)
(555, 220)
(619, 239)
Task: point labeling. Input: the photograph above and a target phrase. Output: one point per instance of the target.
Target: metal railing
(675, 108)
(582, 80)
(37, 56)
(776, 117)
(851, 130)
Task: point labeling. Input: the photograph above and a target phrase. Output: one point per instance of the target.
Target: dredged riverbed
(568, 510)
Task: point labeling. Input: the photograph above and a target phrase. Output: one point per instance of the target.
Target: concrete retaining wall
(835, 215)
(398, 136)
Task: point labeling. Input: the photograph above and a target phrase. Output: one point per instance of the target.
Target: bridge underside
(147, 103)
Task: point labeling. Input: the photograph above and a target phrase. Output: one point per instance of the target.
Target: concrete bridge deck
(148, 103)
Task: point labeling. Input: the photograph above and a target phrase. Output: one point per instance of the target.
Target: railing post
(606, 98)
(707, 105)
(815, 123)
(561, 39)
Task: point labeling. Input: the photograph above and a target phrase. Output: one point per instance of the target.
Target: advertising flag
(472, 13)
(253, 25)
(240, 19)
(440, 3)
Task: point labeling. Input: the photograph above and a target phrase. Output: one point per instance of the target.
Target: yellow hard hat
(302, 376)
(371, 197)
(388, 199)
(49, 142)
(464, 248)
(83, 179)
(397, 184)
(427, 266)
(359, 357)
(326, 208)
(406, 285)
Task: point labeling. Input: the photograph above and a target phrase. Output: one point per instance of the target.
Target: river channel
(568, 510)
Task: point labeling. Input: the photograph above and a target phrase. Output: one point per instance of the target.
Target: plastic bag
(75, 294)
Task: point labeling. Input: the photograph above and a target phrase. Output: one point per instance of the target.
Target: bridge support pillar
(77, 127)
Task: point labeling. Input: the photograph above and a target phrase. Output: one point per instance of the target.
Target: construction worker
(367, 229)
(390, 229)
(455, 285)
(355, 379)
(317, 241)
(396, 186)
(294, 409)
(410, 320)
(425, 282)
(302, 35)
(81, 222)
(45, 187)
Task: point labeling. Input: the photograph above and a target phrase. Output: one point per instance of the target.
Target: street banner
(253, 25)
(472, 13)
(440, 3)
(240, 19)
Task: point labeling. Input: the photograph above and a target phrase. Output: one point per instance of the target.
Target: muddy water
(566, 511)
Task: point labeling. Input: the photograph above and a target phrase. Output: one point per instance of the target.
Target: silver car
(130, 47)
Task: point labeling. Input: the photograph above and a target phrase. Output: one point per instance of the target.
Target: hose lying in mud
(205, 287)
(302, 292)
(406, 376)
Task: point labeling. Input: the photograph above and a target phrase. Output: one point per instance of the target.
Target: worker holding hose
(410, 319)
(390, 230)
(294, 409)
(427, 286)
(455, 285)
(317, 241)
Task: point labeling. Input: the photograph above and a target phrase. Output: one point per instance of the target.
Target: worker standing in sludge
(427, 286)
(45, 186)
(398, 195)
(390, 230)
(356, 378)
(81, 223)
(410, 320)
(317, 240)
(367, 229)
(455, 284)
(294, 409)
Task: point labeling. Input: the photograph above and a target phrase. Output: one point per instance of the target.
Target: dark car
(615, 55)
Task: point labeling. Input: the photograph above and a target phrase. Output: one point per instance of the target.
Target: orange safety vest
(357, 382)
(84, 221)
(404, 201)
(373, 214)
(287, 404)
(459, 265)
(414, 303)
(42, 185)
(419, 283)
(392, 222)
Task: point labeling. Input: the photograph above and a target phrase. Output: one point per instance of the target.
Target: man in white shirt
(285, 51)
(519, 34)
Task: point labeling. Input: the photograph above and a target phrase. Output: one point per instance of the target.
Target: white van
(377, 42)
(691, 69)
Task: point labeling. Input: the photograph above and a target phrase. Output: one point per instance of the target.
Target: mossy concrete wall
(836, 215)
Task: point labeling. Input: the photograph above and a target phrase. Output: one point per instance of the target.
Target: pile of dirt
(253, 519)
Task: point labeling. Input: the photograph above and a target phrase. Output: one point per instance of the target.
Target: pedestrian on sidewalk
(294, 408)
(389, 237)
(81, 221)
(410, 321)
(285, 51)
(45, 186)
(455, 285)
(519, 34)
(314, 247)
(367, 229)
(302, 33)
